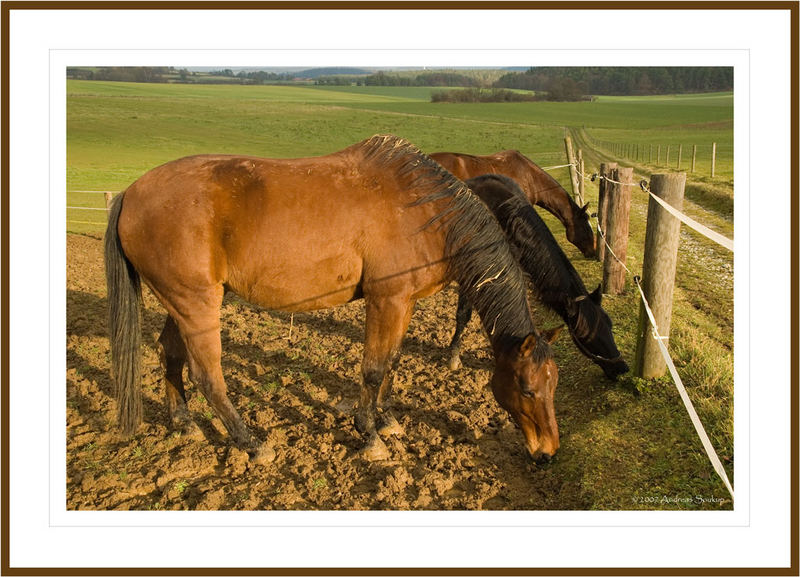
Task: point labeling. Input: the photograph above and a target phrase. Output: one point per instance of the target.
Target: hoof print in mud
(236, 461)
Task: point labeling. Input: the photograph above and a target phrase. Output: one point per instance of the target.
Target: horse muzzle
(614, 369)
(541, 459)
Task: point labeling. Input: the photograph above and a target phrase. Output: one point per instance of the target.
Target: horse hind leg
(200, 329)
(173, 358)
(463, 316)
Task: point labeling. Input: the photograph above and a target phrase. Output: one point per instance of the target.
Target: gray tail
(124, 323)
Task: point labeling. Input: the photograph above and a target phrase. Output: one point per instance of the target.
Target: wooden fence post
(680, 154)
(573, 173)
(658, 160)
(658, 272)
(667, 163)
(581, 180)
(602, 188)
(108, 196)
(617, 218)
(650, 160)
(694, 156)
(713, 158)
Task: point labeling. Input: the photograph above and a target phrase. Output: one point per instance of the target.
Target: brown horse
(378, 220)
(540, 188)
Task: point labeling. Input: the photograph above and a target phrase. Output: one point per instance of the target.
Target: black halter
(582, 348)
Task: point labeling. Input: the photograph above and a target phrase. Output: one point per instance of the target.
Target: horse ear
(585, 207)
(597, 295)
(572, 306)
(550, 335)
(527, 346)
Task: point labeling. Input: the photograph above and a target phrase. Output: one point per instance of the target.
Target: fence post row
(581, 180)
(573, 172)
(713, 158)
(658, 272)
(108, 196)
(602, 207)
(618, 199)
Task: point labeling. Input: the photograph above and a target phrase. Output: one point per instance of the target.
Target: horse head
(590, 328)
(524, 383)
(579, 230)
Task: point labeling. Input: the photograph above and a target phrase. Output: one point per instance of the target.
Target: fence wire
(687, 402)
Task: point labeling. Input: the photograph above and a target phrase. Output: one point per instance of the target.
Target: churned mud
(457, 448)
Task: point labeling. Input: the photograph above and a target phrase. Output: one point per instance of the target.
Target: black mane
(552, 275)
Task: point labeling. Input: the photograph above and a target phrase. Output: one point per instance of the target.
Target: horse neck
(545, 191)
(549, 269)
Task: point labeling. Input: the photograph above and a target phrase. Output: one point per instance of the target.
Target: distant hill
(331, 71)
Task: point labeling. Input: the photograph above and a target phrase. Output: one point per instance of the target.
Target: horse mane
(552, 275)
(489, 275)
(413, 167)
(478, 254)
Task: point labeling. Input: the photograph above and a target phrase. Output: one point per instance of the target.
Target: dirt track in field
(458, 449)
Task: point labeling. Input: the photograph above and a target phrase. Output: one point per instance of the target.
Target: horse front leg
(386, 323)
(463, 316)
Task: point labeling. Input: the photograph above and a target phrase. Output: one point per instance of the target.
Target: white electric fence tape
(698, 426)
(702, 229)
(687, 220)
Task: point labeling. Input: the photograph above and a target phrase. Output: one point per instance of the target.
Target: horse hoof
(390, 426)
(262, 455)
(190, 430)
(361, 422)
(455, 363)
(375, 450)
(182, 423)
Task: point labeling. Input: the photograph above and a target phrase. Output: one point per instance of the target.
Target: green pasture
(626, 443)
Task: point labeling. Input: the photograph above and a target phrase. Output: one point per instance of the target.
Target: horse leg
(173, 358)
(463, 316)
(197, 319)
(386, 422)
(200, 329)
(386, 323)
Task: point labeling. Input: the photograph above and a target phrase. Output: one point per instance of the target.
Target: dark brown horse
(541, 189)
(378, 220)
(553, 278)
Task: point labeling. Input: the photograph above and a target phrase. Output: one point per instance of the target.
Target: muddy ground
(458, 449)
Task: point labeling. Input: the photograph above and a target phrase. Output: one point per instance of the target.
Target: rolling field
(624, 445)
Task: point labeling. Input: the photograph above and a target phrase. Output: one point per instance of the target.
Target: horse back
(291, 234)
(464, 166)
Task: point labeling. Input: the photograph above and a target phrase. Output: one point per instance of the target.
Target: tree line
(622, 80)
(550, 83)
(382, 78)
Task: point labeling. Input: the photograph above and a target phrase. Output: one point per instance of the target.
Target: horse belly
(305, 283)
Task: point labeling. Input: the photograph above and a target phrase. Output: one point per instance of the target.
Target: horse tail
(124, 324)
